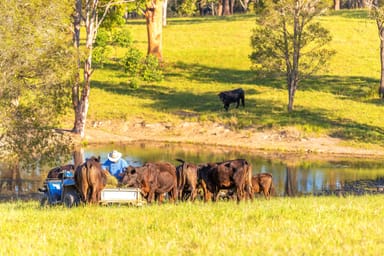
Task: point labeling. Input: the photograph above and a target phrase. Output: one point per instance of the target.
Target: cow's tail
(272, 191)
(249, 188)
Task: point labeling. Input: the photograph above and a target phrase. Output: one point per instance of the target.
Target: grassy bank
(204, 56)
(281, 226)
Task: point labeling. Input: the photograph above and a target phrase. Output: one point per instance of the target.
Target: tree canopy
(36, 67)
(288, 40)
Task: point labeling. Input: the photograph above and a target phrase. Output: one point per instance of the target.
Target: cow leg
(193, 194)
(249, 192)
(239, 194)
(237, 103)
(266, 193)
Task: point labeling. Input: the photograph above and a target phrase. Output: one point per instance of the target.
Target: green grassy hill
(204, 56)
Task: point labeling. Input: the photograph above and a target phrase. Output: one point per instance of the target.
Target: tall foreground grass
(281, 226)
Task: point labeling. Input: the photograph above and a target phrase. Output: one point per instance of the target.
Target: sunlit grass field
(203, 56)
(281, 226)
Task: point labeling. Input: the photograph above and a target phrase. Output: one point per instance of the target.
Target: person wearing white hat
(115, 164)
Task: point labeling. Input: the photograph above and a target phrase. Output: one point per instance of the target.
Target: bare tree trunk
(293, 68)
(336, 5)
(153, 16)
(291, 95)
(165, 4)
(220, 8)
(290, 188)
(226, 10)
(78, 156)
(380, 27)
(76, 85)
(81, 102)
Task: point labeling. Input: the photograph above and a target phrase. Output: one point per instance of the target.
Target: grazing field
(281, 226)
(203, 56)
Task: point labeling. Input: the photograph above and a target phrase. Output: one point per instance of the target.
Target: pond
(293, 175)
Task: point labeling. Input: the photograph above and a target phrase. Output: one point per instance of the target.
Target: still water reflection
(292, 176)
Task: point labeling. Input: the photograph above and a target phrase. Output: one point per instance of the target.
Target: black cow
(234, 96)
(232, 175)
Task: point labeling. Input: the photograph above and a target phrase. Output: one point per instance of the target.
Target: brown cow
(186, 180)
(262, 182)
(154, 180)
(234, 174)
(90, 179)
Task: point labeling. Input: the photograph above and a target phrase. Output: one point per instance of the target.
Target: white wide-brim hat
(114, 156)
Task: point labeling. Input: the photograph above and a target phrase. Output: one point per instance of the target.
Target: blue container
(54, 189)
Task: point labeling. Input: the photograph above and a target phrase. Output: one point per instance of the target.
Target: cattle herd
(187, 181)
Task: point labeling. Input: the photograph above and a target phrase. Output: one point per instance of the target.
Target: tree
(377, 8)
(91, 16)
(35, 74)
(288, 41)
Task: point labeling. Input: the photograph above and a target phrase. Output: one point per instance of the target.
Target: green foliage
(36, 70)
(151, 71)
(114, 17)
(122, 38)
(138, 67)
(103, 38)
(132, 62)
(187, 8)
(100, 54)
(276, 40)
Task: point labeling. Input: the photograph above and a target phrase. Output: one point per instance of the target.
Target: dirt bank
(213, 134)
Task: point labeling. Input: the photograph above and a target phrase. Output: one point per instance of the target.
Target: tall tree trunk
(220, 8)
(165, 6)
(76, 85)
(291, 93)
(153, 16)
(380, 27)
(81, 102)
(336, 5)
(290, 186)
(227, 10)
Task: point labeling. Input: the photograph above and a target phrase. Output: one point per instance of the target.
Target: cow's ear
(227, 164)
(133, 171)
(98, 159)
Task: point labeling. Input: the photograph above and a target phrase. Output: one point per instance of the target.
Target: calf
(186, 180)
(234, 96)
(262, 182)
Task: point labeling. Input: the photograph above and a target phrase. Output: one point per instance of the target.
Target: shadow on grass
(257, 113)
(351, 13)
(196, 20)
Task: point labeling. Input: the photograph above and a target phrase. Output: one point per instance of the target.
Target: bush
(122, 38)
(139, 67)
(151, 70)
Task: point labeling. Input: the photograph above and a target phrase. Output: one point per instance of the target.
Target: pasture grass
(281, 226)
(203, 56)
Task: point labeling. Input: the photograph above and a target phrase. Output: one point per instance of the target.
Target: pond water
(292, 175)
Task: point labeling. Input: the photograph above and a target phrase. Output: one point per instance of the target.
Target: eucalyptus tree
(35, 76)
(377, 10)
(91, 14)
(288, 40)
